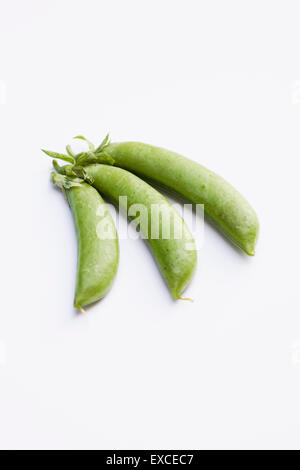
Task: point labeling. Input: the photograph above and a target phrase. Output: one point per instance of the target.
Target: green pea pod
(175, 252)
(98, 247)
(224, 204)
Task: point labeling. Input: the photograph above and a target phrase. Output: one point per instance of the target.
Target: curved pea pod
(174, 250)
(224, 204)
(98, 247)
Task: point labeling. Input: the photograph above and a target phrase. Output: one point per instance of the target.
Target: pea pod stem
(186, 298)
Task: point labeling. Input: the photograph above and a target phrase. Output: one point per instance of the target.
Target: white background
(219, 82)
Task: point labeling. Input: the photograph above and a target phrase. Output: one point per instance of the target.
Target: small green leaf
(58, 168)
(60, 156)
(81, 173)
(83, 158)
(81, 137)
(68, 170)
(103, 144)
(105, 158)
(70, 151)
(87, 158)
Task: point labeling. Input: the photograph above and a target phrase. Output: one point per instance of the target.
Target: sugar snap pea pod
(224, 204)
(174, 250)
(98, 247)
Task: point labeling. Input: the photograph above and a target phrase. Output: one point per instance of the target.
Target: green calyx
(76, 163)
(65, 182)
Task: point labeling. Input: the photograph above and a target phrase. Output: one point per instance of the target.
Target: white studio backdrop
(220, 83)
